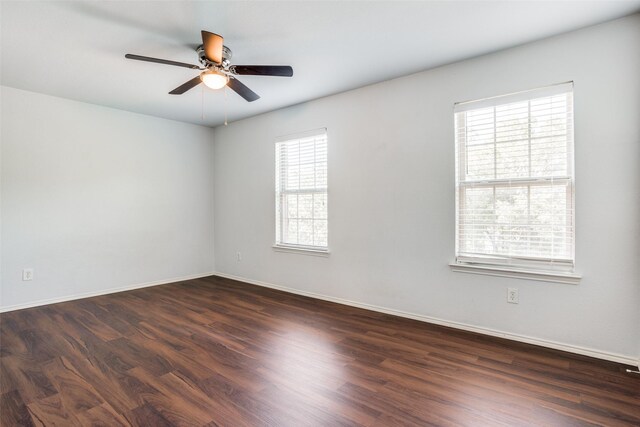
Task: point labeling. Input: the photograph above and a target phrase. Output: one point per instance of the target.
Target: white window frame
(280, 200)
(544, 269)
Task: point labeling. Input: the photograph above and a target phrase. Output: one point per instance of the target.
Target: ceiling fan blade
(212, 46)
(242, 90)
(263, 70)
(161, 61)
(186, 86)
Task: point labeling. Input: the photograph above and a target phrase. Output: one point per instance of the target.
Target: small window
(301, 191)
(515, 180)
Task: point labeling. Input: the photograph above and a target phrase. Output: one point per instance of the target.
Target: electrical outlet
(27, 274)
(238, 256)
(512, 296)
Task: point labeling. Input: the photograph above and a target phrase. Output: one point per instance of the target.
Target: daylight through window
(301, 190)
(515, 179)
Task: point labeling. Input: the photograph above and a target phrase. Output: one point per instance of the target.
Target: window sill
(301, 250)
(515, 273)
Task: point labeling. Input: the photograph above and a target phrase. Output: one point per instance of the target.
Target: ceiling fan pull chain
(225, 105)
(202, 94)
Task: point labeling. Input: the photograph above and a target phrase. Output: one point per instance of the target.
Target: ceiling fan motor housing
(226, 57)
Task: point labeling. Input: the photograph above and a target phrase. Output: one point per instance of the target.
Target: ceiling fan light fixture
(214, 79)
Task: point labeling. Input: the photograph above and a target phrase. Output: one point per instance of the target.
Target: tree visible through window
(301, 191)
(514, 179)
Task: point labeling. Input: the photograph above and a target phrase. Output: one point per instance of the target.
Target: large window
(515, 180)
(301, 191)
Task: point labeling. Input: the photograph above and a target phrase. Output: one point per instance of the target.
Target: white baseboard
(627, 360)
(101, 292)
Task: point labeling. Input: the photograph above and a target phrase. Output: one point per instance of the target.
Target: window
(301, 191)
(515, 180)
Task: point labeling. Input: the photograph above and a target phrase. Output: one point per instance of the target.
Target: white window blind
(301, 190)
(515, 179)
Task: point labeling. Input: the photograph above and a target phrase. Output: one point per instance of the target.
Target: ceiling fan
(217, 70)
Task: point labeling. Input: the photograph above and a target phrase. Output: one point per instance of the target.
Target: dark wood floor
(218, 352)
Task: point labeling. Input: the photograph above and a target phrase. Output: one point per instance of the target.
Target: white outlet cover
(512, 296)
(27, 274)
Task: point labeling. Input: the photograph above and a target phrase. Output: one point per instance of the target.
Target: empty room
(320, 213)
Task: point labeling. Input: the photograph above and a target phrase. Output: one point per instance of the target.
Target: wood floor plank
(51, 411)
(27, 377)
(77, 394)
(147, 415)
(102, 415)
(13, 410)
(216, 352)
(176, 408)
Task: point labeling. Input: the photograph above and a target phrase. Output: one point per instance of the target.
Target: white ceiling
(76, 49)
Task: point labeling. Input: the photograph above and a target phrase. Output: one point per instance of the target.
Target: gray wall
(96, 199)
(391, 195)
